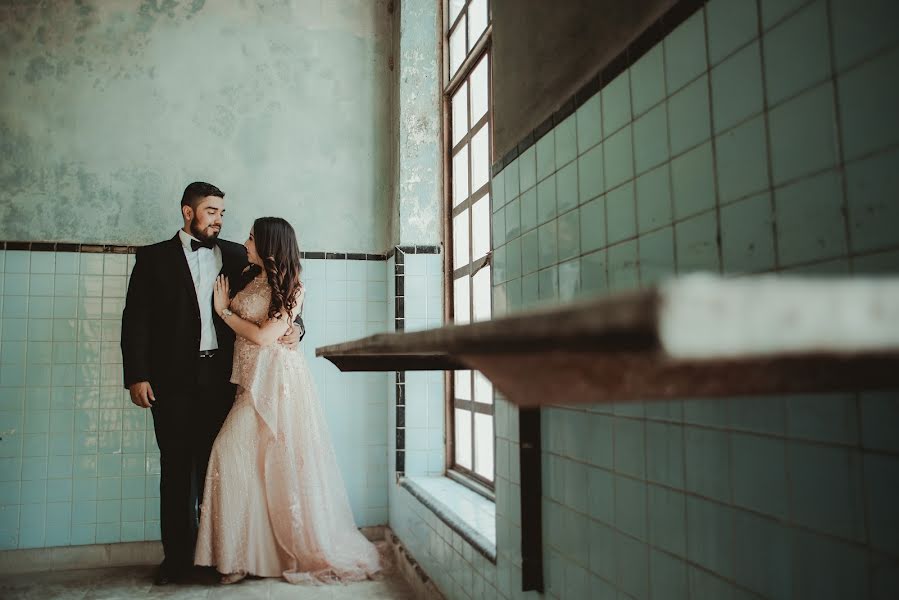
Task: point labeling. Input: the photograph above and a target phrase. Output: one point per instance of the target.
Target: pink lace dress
(274, 503)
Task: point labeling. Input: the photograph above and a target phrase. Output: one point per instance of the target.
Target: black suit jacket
(161, 320)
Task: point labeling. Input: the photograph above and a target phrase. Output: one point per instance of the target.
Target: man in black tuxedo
(177, 356)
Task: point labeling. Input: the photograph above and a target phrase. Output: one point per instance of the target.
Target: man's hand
(290, 339)
(142, 394)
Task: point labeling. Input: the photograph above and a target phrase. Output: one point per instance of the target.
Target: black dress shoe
(170, 574)
(162, 577)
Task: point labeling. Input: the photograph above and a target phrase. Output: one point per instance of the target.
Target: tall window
(467, 105)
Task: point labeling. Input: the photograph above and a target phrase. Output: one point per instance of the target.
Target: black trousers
(186, 423)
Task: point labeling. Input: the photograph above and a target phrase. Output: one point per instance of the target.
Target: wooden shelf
(698, 336)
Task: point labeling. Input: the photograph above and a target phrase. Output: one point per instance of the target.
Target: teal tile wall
(79, 463)
(758, 137)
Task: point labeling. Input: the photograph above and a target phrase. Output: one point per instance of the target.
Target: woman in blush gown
(274, 503)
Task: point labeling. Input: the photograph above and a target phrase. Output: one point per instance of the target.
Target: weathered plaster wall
(418, 194)
(109, 108)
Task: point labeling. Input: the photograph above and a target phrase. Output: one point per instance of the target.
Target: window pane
(460, 113)
(455, 7)
(483, 389)
(461, 309)
(463, 384)
(477, 21)
(480, 158)
(463, 438)
(483, 432)
(460, 239)
(460, 176)
(479, 97)
(481, 294)
(457, 50)
(480, 227)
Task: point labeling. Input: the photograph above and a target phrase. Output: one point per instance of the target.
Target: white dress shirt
(205, 265)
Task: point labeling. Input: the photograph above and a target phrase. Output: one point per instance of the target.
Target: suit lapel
(184, 270)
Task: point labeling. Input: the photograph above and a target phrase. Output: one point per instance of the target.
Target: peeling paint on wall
(419, 180)
(108, 109)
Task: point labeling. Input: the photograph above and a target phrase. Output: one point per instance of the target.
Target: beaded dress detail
(275, 504)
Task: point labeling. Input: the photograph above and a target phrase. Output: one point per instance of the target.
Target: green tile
(569, 235)
(498, 191)
(860, 32)
(667, 518)
(528, 209)
(742, 161)
(697, 249)
(654, 199)
(810, 222)
(622, 266)
(802, 135)
(651, 139)
(513, 219)
(774, 11)
(656, 256)
(593, 273)
(648, 80)
(880, 419)
(593, 225)
(616, 104)
(512, 182)
(669, 574)
(546, 156)
(632, 565)
(685, 56)
(797, 53)
(763, 556)
(665, 452)
(546, 199)
(882, 497)
(759, 474)
(513, 295)
(689, 121)
(590, 174)
(873, 208)
(566, 141)
(692, 180)
(529, 252)
(711, 542)
(630, 507)
(826, 489)
(882, 263)
(529, 291)
(513, 259)
(547, 242)
(498, 224)
(618, 158)
(731, 24)
(589, 124)
(499, 265)
(570, 280)
(869, 96)
(621, 213)
(828, 569)
(548, 284)
(737, 88)
(566, 188)
(527, 169)
(829, 418)
(747, 235)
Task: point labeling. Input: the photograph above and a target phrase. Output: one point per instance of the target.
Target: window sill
(464, 511)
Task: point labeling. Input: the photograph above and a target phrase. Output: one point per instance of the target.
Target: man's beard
(200, 234)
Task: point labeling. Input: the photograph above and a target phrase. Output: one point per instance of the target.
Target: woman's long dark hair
(276, 245)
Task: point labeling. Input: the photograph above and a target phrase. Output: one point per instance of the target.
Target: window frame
(452, 82)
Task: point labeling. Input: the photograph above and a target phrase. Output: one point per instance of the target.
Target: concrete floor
(137, 583)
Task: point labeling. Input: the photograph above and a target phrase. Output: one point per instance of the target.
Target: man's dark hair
(197, 191)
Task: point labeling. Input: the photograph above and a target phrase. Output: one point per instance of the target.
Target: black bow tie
(195, 245)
